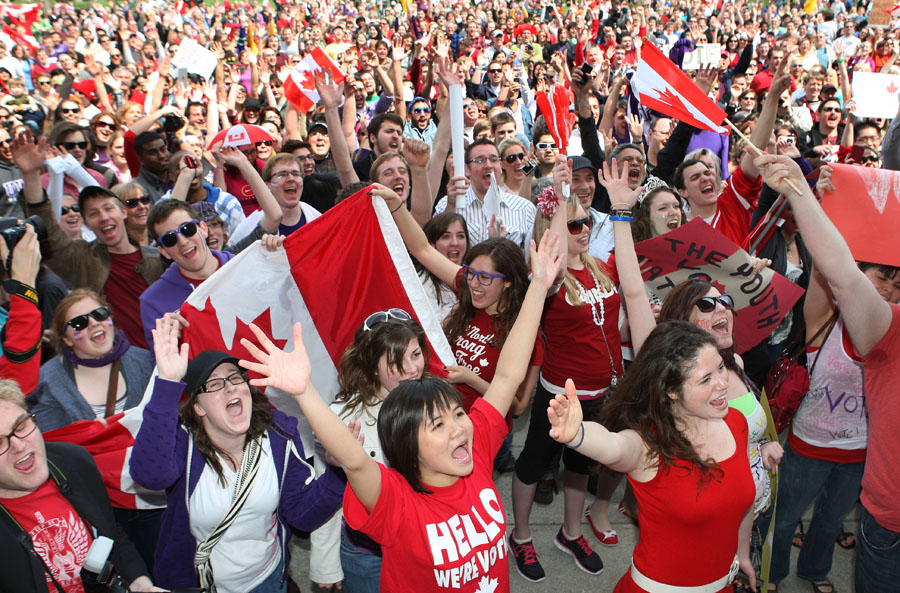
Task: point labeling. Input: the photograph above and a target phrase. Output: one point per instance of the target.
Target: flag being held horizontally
(300, 87)
(660, 85)
(331, 275)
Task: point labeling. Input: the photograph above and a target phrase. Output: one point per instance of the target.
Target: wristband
(621, 218)
(398, 207)
(580, 441)
(20, 289)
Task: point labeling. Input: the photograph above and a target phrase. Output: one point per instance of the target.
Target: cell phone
(587, 69)
(190, 162)
(182, 75)
(528, 167)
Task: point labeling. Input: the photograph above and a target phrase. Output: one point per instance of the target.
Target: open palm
(287, 371)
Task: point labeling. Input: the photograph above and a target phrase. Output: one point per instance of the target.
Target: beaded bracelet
(579, 442)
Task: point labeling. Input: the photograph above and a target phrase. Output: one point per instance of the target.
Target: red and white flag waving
(554, 105)
(300, 88)
(332, 274)
(110, 445)
(661, 85)
(24, 14)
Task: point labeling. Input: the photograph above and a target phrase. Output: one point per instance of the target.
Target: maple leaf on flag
(892, 88)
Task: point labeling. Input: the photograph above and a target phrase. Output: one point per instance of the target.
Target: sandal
(846, 540)
(824, 587)
(799, 534)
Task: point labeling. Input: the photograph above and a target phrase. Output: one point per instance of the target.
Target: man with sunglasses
(55, 505)
(10, 176)
(419, 124)
(114, 265)
(823, 139)
(546, 151)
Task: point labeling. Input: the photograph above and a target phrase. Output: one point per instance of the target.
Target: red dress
(690, 539)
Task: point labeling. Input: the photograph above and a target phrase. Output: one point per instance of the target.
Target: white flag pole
(457, 135)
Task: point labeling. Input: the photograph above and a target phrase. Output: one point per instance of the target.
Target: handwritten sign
(695, 250)
(705, 54)
(195, 58)
(881, 13)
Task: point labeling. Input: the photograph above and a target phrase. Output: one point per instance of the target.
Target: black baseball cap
(202, 365)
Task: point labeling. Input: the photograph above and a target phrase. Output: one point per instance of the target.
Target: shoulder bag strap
(830, 325)
(242, 487)
(112, 389)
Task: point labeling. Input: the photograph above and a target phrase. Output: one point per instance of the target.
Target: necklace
(598, 319)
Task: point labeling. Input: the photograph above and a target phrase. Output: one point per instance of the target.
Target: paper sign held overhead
(196, 58)
(876, 94)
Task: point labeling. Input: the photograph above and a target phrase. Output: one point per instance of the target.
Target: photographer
(22, 332)
(55, 506)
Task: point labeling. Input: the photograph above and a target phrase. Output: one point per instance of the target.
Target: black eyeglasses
(69, 110)
(187, 230)
(134, 202)
(511, 158)
(708, 304)
(22, 429)
(79, 322)
(382, 316)
(577, 224)
(66, 209)
(218, 384)
(106, 124)
(74, 145)
(546, 145)
(484, 278)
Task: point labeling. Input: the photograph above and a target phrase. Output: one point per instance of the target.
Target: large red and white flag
(110, 444)
(865, 208)
(332, 274)
(24, 14)
(299, 86)
(554, 105)
(659, 84)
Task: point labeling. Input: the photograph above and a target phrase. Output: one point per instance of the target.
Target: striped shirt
(516, 213)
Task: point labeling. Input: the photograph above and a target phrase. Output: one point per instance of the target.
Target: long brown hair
(261, 419)
(644, 403)
(508, 260)
(358, 374)
(642, 227)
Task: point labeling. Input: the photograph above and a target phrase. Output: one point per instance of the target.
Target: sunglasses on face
(577, 224)
(546, 145)
(708, 304)
(69, 110)
(79, 322)
(382, 316)
(66, 209)
(831, 110)
(74, 145)
(495, 71)
(187, 230)
(869, 159)
(421, 110)
(134, 202)
(44, 81)
(266, 143)
(511, 158)
(483, 278)
(105, 124)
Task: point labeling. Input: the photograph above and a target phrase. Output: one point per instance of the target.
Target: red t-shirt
(123, 290)
(736, 205)
(60, 537)
(473, 350)
(451, 540)
(236, 185)
(575, 348)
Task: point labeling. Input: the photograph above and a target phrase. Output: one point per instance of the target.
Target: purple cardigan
(159, 460)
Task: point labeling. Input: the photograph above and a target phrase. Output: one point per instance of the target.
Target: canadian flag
(331, 275)
(660, 85)
(110, 443)
(554, 105)
(24, 14)
(300, 88)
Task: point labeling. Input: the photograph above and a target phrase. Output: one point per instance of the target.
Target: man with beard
(823, 139)
(385, 132)
(419, 124)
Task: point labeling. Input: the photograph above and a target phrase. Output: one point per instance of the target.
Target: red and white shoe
(607, 538)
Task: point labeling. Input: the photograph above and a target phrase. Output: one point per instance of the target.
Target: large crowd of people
(118, 150)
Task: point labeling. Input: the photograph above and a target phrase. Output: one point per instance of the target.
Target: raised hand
(387, 194)
(171, 360)
(330, 94)
(231, 155)
(565, 415)
(27, 155)
(824, 183)
(26, 257)
(287, 371)
(779, 172)
(635, 127)
(546, 259)
(416, 152)
(616, 185)
(562, 174)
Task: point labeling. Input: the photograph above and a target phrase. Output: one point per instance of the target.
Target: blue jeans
(504, 451)
(362, 572)
(877, 557)
(835, 487)
(273, 583)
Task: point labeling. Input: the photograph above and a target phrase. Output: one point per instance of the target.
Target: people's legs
(839, 493)
(800, 479)
(522, 499)
(362, 572)
(575, 491)
(504, 452)
(607, 482)
(142, 529)
(877, 557)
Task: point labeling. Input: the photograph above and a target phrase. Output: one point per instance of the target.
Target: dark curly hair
(644, 400)
(508, 260)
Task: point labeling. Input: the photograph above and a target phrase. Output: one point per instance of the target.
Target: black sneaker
(527, 563)
(579, 548)
(544, 492)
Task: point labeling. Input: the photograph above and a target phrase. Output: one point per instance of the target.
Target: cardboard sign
(695, 249)
(706, 54)
(195, 58)
(875, 94)
(865, 208)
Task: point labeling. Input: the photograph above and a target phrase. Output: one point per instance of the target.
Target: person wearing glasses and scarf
(233, 469)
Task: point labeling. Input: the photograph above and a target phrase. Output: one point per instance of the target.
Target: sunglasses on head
(511, 158)
(382, 316)
(134, 202)
(708, 304)
(74, 145)
(66, 209)
(186, 230)
(79, 322)
(577, 224)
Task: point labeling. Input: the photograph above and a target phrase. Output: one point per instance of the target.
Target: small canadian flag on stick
(300, 86)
